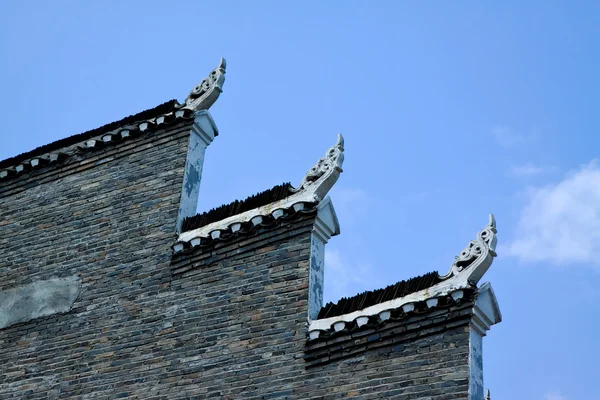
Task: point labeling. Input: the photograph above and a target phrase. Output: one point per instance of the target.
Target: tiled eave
(94, 143)
(484, 312)
(390, 335)
(207, 236)
(312, 190)
(415, 302)
(465, 272)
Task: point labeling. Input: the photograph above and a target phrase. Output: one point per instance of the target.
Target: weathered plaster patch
(202, 134)
(317, 259)
(475, 366)
(192, 180)
(38, 299)
(326, 225)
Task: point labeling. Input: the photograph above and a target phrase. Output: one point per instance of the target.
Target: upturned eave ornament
(325, 173)
(203, 96)
(473, 262)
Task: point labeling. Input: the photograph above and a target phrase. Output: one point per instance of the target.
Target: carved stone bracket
(323, 175)
(477, 257)
(468, 268)
(203, 96)
(314, 187)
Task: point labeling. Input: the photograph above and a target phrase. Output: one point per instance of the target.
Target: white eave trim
(224, 224)
(441, 289)
(465, 272)
(486, 311)
(326, 223)
(314, 187)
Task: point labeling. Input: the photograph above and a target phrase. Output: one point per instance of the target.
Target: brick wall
(225, 322)
(108, 216)
(420, 356)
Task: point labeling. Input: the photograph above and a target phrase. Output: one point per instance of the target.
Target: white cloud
(527, 170)
(554, 396)
(345, 277)
(350, 204)
(507, 137)
(561, 222)
(345, 274)
(348, 195)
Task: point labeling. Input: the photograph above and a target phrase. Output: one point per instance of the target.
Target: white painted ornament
(385, 315)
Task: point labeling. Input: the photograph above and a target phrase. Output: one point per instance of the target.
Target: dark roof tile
(164, 108)
(276, 193)
(370, 298)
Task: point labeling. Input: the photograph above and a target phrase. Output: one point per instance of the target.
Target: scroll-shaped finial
(203, 96)
(477, 257)
(323, 175)
(487, 395)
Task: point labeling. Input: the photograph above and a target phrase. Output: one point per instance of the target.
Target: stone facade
(107, 217)
(96, 304)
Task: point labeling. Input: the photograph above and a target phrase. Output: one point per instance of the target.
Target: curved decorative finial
(487, 395)
(323, 175)
(477, 257)
(203, 96)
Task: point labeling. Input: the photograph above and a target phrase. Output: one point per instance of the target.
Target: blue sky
(450, 110)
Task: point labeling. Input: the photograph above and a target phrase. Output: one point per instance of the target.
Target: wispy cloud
(527, 170)
(560, 223)
(346, 277)
(554, 396)
(508, 137)
(350, 204)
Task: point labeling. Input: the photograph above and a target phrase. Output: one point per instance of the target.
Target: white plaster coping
(3, 174)
(277, 213)
(93, 142)
(215, 234)
(20, 168)
(338, 326)
(195, 242)
(237, 220)
(34, 162)
(457, 295)
(453, 283)
(360, 321)
(441, 289)
(408, 307)
(107, 138)
(327, 223)
(204, 126)
(178, 247)
(298, 207)
(313, 188)
(160, 120)
(314, 335)
(54, 157)
(486, 311)
(385, 315)
(203, 131)
(432, 302)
